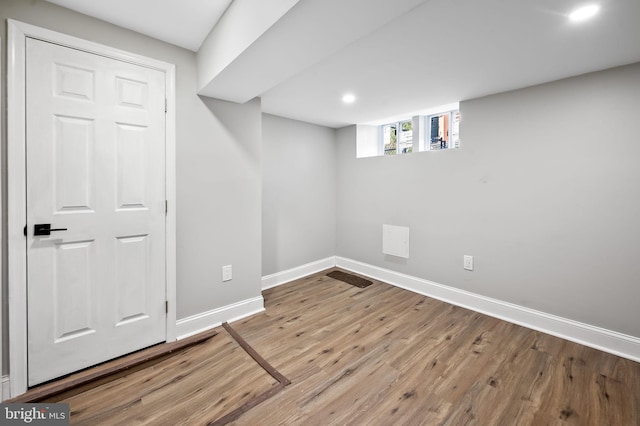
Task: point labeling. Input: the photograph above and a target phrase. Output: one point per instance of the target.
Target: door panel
(74, 166)
(71, 290)
(131, 93)
(132, 284)
(73, 82)
(95, 167)
(131, 163)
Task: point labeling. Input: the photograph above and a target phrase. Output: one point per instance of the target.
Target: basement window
(397, 138)
(443, 131)
(437, 129)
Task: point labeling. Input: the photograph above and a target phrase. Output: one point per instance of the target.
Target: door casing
(18, 32)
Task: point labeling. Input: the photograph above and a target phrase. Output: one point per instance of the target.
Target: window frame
(421, 133)
(451, 142)
(398, 126)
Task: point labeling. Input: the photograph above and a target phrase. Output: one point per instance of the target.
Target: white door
(96, 168)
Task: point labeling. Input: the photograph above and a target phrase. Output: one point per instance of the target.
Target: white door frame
(18, 32)
(2, 266)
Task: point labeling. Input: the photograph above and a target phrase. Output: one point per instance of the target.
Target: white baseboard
(207, 320)
(599, 338)
(279, 278)
(5, 392)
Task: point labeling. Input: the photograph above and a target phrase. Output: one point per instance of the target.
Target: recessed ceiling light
(349, 98)
(584, 13)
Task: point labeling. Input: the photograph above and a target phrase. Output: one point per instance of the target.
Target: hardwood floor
(383, 355)
(194, 387)
(374, 356)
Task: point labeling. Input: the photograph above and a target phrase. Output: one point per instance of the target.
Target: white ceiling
(184, 23)
(441, 51)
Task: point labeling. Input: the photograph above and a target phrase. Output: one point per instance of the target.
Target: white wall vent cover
(395, 240)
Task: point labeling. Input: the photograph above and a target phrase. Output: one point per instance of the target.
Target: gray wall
(218, 166)
(298, 193)
(545, 193)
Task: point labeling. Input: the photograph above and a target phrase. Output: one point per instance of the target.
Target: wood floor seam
(282, 380)
(255, 355)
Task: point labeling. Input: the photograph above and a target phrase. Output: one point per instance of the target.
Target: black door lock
(45, 229)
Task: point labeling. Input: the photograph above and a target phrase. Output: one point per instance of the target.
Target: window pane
(455, 130)
(405, 142)
(389, 138)
(439, 134)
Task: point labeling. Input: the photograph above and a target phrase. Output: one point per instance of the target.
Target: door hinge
(166, 306)
(165, 105)
(166, 207)
(25, 230)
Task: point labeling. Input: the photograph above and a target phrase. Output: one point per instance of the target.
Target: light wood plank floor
(375, 356)
(193, 387)
(385, 356)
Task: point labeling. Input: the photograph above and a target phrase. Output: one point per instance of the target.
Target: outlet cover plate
(227, 273)
(468, 262)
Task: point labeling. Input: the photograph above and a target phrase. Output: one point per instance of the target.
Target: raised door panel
(74, 83)
(132, 93)
(133, 279)
(74, 164)
(131, 164)
(74, 315)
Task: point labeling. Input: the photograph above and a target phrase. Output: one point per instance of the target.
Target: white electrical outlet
(468, 263)
(227, 273)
